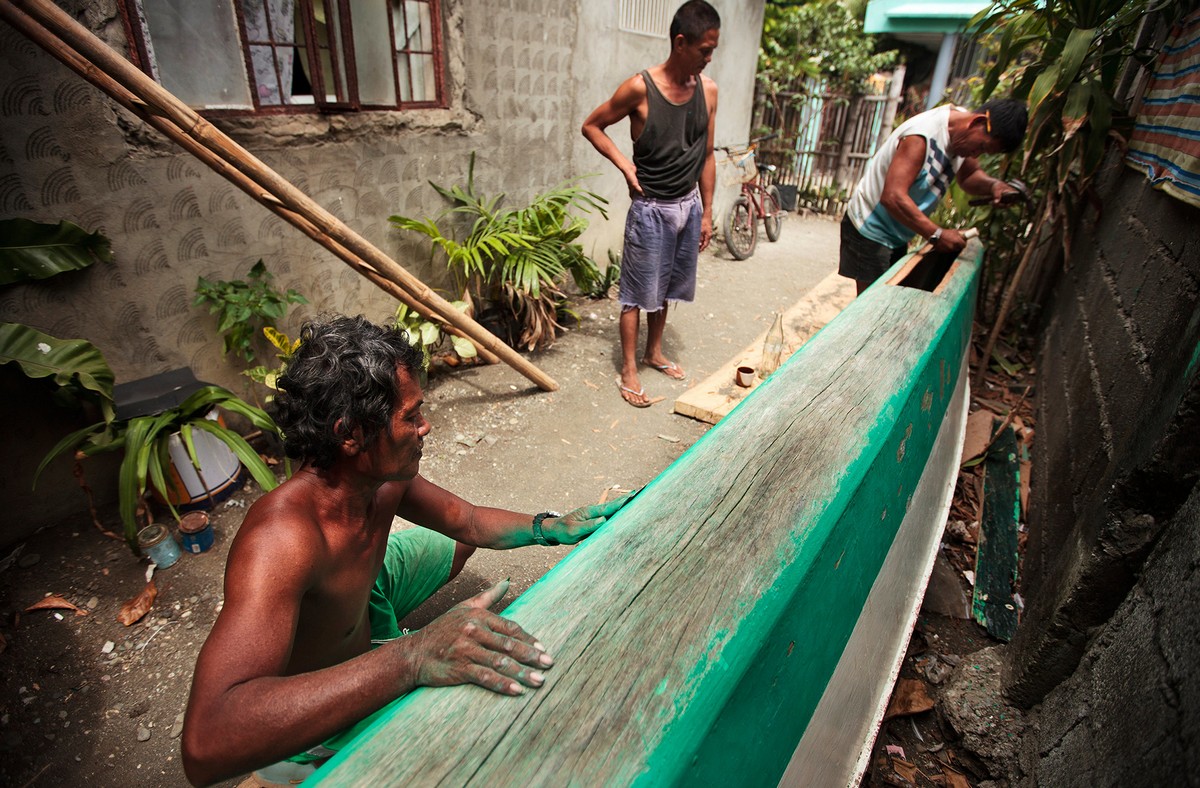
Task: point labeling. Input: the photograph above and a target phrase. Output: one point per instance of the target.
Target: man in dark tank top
(672, 110)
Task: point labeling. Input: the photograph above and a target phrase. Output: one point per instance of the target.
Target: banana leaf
(33, 250)
(68, 361)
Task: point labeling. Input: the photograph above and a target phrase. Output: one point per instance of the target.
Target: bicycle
(755, 202)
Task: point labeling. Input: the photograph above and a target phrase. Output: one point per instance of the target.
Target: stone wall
(521, 76)
(1102, 644)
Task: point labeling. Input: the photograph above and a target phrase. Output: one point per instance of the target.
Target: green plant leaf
(33, 250)
(249, 457)
(131, 479)
(66, 444)
(67, 361)
(1075, 109)
(1079, 41)
(160, 461)
(1042, 86)
(463, 346)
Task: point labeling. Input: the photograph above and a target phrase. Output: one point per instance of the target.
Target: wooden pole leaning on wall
(65, 39)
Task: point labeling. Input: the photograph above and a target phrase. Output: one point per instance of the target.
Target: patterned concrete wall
(521, 76)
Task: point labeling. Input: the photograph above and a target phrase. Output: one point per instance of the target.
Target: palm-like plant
(517, 256)
(146, 441)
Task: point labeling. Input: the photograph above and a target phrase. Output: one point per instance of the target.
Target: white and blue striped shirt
(870, 218)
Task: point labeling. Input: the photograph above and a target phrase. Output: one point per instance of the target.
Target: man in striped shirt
(908, 175)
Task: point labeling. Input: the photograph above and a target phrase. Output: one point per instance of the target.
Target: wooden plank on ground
(717, 394)
(996, 560)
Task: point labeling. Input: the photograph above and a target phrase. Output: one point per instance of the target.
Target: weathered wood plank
(695, 634)
(993, 605)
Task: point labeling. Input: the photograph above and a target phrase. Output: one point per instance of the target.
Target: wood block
(716, 395)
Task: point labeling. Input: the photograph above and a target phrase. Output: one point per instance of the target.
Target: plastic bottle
(773, 348)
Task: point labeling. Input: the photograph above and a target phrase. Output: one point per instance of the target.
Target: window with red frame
(292, 55)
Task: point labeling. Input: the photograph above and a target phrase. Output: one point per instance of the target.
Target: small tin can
(195, 532)
(156, 541)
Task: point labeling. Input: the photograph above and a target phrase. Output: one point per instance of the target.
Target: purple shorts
(662, 242)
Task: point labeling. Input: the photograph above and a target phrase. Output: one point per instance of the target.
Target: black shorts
(862, 259)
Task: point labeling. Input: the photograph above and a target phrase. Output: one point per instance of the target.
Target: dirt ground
(84, 699)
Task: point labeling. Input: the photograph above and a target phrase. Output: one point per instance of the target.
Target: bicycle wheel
(772, 213)
(741, 228)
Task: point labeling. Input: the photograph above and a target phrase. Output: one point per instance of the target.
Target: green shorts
(417, 564)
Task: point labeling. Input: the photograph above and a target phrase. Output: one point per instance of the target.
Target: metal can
(195, 532)
(156, 541)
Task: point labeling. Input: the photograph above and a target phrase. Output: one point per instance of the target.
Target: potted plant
(146, 441)
(515, 259)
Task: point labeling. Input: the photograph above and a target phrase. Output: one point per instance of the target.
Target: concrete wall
(1128, 715)
(522, 75)
(1115, 462)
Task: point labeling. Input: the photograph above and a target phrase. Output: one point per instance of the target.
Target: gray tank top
(669, 154)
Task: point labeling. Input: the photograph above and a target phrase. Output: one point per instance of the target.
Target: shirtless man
(307, 643)
(672, 111)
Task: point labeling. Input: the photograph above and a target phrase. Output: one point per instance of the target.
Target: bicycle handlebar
(749, 146)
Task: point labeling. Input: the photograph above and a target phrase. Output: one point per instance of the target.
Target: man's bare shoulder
(283, 525)
(635, 86)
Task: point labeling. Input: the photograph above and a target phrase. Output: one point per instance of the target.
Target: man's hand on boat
(469, 644)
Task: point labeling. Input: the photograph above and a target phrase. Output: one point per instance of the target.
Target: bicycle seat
(767, 167)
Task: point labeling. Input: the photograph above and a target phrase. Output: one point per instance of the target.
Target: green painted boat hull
(740, 622)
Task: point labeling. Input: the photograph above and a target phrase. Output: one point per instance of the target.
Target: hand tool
(1020, 193)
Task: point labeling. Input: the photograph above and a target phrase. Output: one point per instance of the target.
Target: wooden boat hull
(741, 622)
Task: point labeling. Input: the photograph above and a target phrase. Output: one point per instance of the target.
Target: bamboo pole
(63, 37)
(79, 64)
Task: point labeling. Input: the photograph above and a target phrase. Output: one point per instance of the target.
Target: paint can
(195, 532)
(156, 541)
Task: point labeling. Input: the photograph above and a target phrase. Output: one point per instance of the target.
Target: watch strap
(538, 536)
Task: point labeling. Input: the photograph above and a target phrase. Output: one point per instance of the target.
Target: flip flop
(667, 369)
(639, 393)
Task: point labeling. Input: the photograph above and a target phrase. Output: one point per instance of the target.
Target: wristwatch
(538, 536)
(936, 235)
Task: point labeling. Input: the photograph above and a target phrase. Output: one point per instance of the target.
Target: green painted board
(696, 632)
(992, 603)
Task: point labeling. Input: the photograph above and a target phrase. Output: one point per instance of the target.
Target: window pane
(373, 52)
(417, 34)
(270, 27)
(197, 52)
(424, 78)
(415, 65)
(330, 54)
